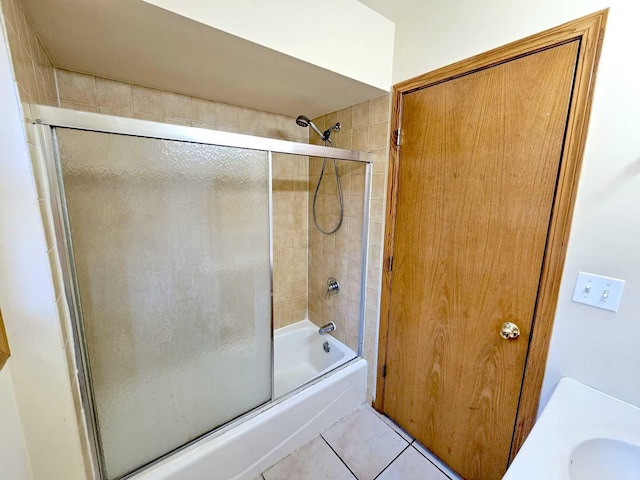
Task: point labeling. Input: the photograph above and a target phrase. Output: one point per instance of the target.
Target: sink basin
(582, 434)
(605, 458)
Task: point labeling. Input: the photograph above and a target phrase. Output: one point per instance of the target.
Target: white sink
(605, 458)
(582, 434)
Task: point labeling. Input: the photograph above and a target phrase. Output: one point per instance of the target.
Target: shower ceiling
(133, 41)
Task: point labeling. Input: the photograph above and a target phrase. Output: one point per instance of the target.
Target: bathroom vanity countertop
(575, 413)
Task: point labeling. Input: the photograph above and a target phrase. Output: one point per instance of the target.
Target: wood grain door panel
(476, 183)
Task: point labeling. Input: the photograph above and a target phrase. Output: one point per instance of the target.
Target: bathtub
(299, 355)
(245, 448)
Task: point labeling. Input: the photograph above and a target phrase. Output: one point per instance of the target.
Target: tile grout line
(391, 462)
(429, 460)
(380, 415)
(398, 433)
(339, 457)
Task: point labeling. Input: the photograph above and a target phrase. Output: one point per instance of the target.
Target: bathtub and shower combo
(164, 240)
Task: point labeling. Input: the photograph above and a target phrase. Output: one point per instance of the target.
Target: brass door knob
(509, 331)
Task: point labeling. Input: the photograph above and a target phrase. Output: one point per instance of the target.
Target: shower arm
(317, 130)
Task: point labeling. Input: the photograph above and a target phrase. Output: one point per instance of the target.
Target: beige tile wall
(95, 94)
(338, 255)
(90, 93)
(290, 238)
(364, 127)
(33, 70)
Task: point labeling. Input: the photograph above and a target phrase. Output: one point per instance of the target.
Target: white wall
(39, 371)
(343, 36)
(14, 463)
(599, 348)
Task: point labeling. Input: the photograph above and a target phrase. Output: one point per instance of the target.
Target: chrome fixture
(509, 331)
(60, 117)
(326, 347)
(305, 122)
(333, 287)
(327, 133)
(328, 328)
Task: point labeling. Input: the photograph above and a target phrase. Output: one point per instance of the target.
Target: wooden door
(477, 177)
(4, 344)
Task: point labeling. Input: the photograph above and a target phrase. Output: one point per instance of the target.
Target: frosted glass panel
(171, 250)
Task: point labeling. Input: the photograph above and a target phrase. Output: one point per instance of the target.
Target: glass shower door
(170, 242)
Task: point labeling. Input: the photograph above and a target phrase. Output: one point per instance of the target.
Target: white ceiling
(394, 10)
(133, 41)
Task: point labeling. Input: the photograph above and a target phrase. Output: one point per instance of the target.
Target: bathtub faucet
(328, 328)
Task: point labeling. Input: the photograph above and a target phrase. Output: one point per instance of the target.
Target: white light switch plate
(598, 291)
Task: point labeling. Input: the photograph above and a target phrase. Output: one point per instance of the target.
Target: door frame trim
(590, 31)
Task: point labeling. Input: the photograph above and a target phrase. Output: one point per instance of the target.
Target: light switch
(598, 291)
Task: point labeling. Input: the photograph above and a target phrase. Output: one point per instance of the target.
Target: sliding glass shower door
(170, 242)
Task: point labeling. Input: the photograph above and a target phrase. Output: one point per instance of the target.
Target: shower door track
(45, 116)
(60, 117)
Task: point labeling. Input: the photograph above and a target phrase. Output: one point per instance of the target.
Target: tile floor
(362, 446)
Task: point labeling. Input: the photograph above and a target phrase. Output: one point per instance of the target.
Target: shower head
(304, 121)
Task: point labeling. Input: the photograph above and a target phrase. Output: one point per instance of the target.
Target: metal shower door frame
(60, 117)
(46, 169)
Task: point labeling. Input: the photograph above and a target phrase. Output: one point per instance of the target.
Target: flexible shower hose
(315, 197)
